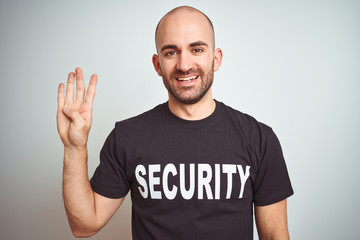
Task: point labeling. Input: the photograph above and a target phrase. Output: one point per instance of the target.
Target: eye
(170, 53)
(198, 50)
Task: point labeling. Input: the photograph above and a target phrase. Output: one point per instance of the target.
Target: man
(194, 166)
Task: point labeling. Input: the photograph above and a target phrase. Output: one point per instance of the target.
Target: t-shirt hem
(274, 199)
(101, 191)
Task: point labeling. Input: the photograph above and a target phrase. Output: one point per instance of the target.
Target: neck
(197, 111)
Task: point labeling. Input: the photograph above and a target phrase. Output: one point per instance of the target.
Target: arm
(87, 211)
(271, 221)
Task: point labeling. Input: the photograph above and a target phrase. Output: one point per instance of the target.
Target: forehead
(183, 28)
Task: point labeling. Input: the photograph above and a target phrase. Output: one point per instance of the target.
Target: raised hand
(74, 117)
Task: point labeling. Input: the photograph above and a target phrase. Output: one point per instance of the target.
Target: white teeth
(187, 79)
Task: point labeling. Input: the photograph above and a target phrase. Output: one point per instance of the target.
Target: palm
(74, 124)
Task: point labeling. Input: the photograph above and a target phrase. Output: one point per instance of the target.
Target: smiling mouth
(187, 79)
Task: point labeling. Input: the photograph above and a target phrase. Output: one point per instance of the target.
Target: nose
(185, 62)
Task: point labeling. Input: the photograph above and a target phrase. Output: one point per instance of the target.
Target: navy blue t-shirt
(192, 179)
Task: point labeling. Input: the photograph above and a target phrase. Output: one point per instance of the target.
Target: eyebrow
(194, 44)
(168, 46)
(198, 43)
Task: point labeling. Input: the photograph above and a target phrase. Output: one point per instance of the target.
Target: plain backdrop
(294, 65)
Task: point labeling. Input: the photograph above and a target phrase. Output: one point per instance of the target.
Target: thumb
(74, 116)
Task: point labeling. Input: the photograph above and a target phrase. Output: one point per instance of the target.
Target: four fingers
(80, 89)
(68, 110)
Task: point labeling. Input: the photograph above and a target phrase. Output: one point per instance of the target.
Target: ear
(218, 55)
(156, 63)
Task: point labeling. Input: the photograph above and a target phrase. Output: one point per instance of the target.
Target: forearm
(78, 194)
(271, 221)
(275, 229)
(278, 235)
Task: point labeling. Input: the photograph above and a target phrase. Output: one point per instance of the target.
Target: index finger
(90, 93)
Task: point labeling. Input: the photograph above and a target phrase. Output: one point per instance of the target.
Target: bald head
(186, 16)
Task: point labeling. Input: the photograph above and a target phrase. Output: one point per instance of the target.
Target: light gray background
(293, 65)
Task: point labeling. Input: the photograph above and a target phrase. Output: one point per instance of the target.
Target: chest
(214, 164)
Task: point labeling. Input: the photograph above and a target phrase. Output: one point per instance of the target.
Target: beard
(192, 94)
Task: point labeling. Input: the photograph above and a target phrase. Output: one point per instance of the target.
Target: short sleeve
(109, 179)
(272, 182)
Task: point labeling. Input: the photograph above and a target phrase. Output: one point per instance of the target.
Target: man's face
(186, 58)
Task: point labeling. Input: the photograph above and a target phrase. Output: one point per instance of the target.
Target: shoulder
(259, 137)
(248, 124)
